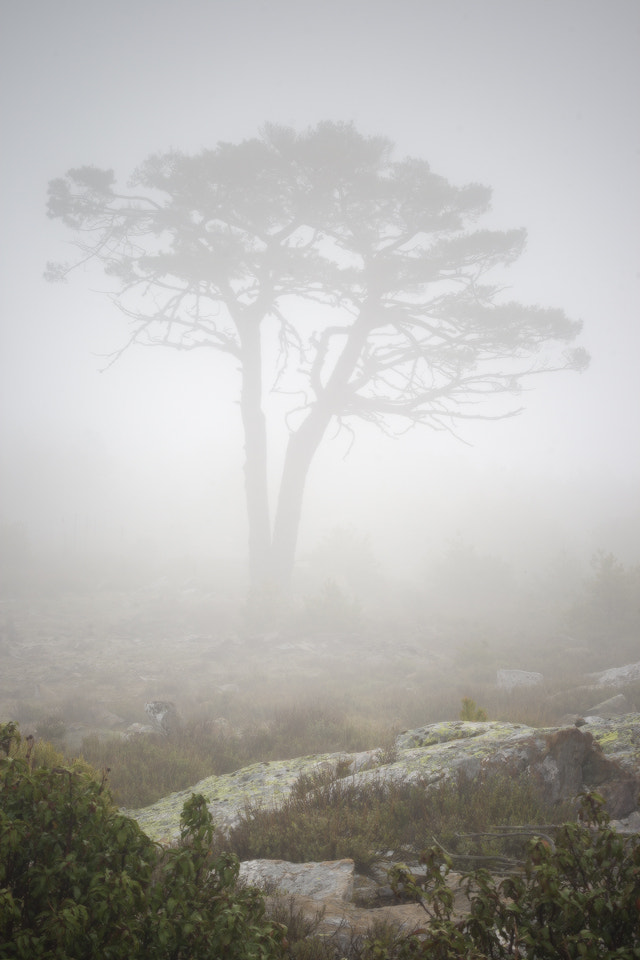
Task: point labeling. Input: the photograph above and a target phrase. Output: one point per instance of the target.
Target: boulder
(163, 715)
(564, 763)
(613, 707)
(617, 676)
(331, 879)
(604, 754)
(514, 679)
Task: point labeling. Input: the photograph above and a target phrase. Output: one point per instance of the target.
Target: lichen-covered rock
(602, 755)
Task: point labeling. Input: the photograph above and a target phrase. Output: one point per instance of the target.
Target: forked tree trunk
(302, 447)
(272, 558)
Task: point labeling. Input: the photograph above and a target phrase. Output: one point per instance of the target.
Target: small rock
(512, 679)
(331, 879)
(163, 715)
(613, 707)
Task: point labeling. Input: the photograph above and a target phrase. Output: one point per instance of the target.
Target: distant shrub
(472, 712)
(78, 879)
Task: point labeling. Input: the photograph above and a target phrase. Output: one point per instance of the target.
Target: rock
(163, 715)
(612, 707)
(628, 825)
(136, 729)
(366, 760)
(331, 879)
(604, 754)
(617, 676)
(566, 762)
(221, 727)
(513, 679)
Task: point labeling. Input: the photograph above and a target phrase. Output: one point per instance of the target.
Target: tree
(608, 608)
(366, 272)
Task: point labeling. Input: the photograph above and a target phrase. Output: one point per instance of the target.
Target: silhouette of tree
(367, 272)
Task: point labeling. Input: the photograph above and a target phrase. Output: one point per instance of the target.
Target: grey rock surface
(613, 707)
(332, 879)
(604, 754)
(515, 679)
(617, 676)
(163, 715)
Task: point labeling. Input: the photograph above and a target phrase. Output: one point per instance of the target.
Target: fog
(138, 464)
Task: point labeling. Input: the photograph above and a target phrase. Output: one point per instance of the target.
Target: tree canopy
(369, 274)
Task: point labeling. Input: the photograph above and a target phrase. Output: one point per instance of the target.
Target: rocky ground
(95, 660)
(601, 754)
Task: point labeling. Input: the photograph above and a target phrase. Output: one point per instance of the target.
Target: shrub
(327, 818)
(472, 712)
(577, 897)
(78, 879)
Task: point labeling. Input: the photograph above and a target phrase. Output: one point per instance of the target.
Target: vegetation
(78, 879)
(327, 817)
(360, 283)
(576, 897)
(470, 711)
(145, 767)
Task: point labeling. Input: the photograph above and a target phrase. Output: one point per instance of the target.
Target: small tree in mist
(363, 279)
(609, 606)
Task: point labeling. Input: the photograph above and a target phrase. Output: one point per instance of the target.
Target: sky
(537, 99)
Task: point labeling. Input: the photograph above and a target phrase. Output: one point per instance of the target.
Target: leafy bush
(78, 879)
(577, 897)
(470, 711)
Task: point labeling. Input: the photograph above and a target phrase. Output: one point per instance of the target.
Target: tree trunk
(301, 450)
(255, 445)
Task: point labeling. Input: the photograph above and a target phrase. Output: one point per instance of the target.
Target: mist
(127, 476)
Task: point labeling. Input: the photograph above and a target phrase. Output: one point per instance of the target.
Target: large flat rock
(427, 754)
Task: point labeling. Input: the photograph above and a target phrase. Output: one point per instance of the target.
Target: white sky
(536, 98)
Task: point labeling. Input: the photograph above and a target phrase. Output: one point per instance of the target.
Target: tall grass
(146, 767)
(326, 818)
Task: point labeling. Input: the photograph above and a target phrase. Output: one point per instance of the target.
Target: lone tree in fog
(363, 279)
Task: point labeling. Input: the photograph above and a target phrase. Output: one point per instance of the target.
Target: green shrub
(576, 897)
(472, 712)
(78, 879)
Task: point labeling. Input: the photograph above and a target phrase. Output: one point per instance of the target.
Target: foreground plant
(78, 879)
(576, 897)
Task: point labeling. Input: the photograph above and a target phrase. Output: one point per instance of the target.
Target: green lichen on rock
(427, 754)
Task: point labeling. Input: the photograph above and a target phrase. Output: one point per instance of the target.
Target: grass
(146, 767)
(327, 818)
